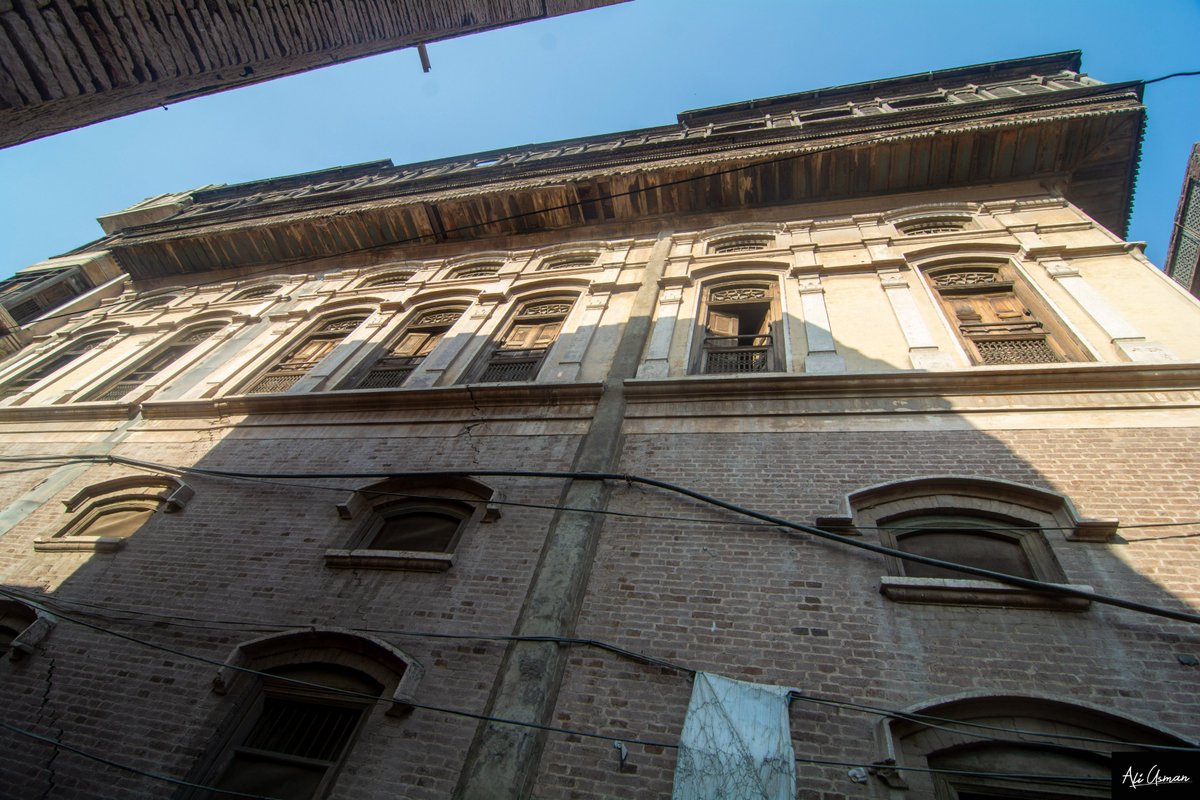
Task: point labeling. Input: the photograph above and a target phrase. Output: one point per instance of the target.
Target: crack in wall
(46, 709)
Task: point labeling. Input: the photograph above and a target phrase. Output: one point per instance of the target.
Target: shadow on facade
(675, 579)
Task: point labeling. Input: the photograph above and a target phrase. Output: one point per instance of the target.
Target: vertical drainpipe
(502, 761)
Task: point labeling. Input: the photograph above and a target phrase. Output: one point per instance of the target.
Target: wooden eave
(1088, 139)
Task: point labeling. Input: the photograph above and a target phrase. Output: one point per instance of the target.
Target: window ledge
(414, 560)
(79, 544)
(956, 592)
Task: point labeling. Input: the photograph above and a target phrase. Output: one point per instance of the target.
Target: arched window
(105, 515)
(989, 524)
(21, 628)
(931, 225)
(406, 354)
(998, 318)
(146, 369)
(485, 269)
(740, 321)
(256, 292)
(571, 261)
(411, 524)
(296, 736)
(529, 337)
(52, 363)
(156, 301)
(307, 354)
(296, 725)
(1071, 745)
(389, 279)
(741, 244)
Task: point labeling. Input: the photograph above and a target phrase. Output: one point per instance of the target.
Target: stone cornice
(1041, 387)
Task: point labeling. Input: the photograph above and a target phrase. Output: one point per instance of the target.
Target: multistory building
(470, 478)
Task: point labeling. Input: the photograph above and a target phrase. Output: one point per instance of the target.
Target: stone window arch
(53, 362)
(393, 278)
(299, 712)
(256, 292)
(104, 515)
(408, 350)
(150, 366)
(992, 524)
(568, 261)
(998, 317)
(1036, 736)
(528, 336)
(152, 301)
(301, 357)
(741, 243)
(741, 329)
(21, 628)
(412, 524)
(475, 270)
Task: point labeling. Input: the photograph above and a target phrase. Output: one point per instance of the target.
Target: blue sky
(628, 66)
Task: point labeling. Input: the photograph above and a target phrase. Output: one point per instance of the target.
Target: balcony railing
(513, 365)
(282, 377)
(733, 354)
(1011, 342)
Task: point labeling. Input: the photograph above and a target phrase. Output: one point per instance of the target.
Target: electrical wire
(922, 718)
(293, 484)
(520, 723)
(631, 479)
(128, 768)
(1169, 77)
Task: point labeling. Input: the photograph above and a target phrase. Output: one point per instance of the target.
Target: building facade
(460, 479)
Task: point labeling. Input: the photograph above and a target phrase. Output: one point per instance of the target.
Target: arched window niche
(21, 628)
(306, 353)
(517, 354)
(996, 525)
(74, 349)
(740, 327)
(161, 360)
(408, 350)
(1038, 735)
(298, 702)
(104, 515)
(412, 524)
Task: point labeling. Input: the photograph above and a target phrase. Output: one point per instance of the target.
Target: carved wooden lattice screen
(534, 329)
(50, 365)
(410, 350)
(296, 364)
(147, 369)
(999, 320)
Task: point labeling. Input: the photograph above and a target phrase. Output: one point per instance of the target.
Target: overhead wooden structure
(1082, 135)
(70, 63)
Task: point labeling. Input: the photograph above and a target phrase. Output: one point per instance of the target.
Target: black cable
(136, 770)
(500, 720)
(629, 478)
(1001, 577)
(601, 511)
(1168, 77)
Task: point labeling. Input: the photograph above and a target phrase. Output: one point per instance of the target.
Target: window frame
(527, 313)
(185, 344)
(1023, 513)
(473, 502)
(988, 285)
(422, 322)
(772, 322)
(285, 365)
(277, 686)
(71, 352)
